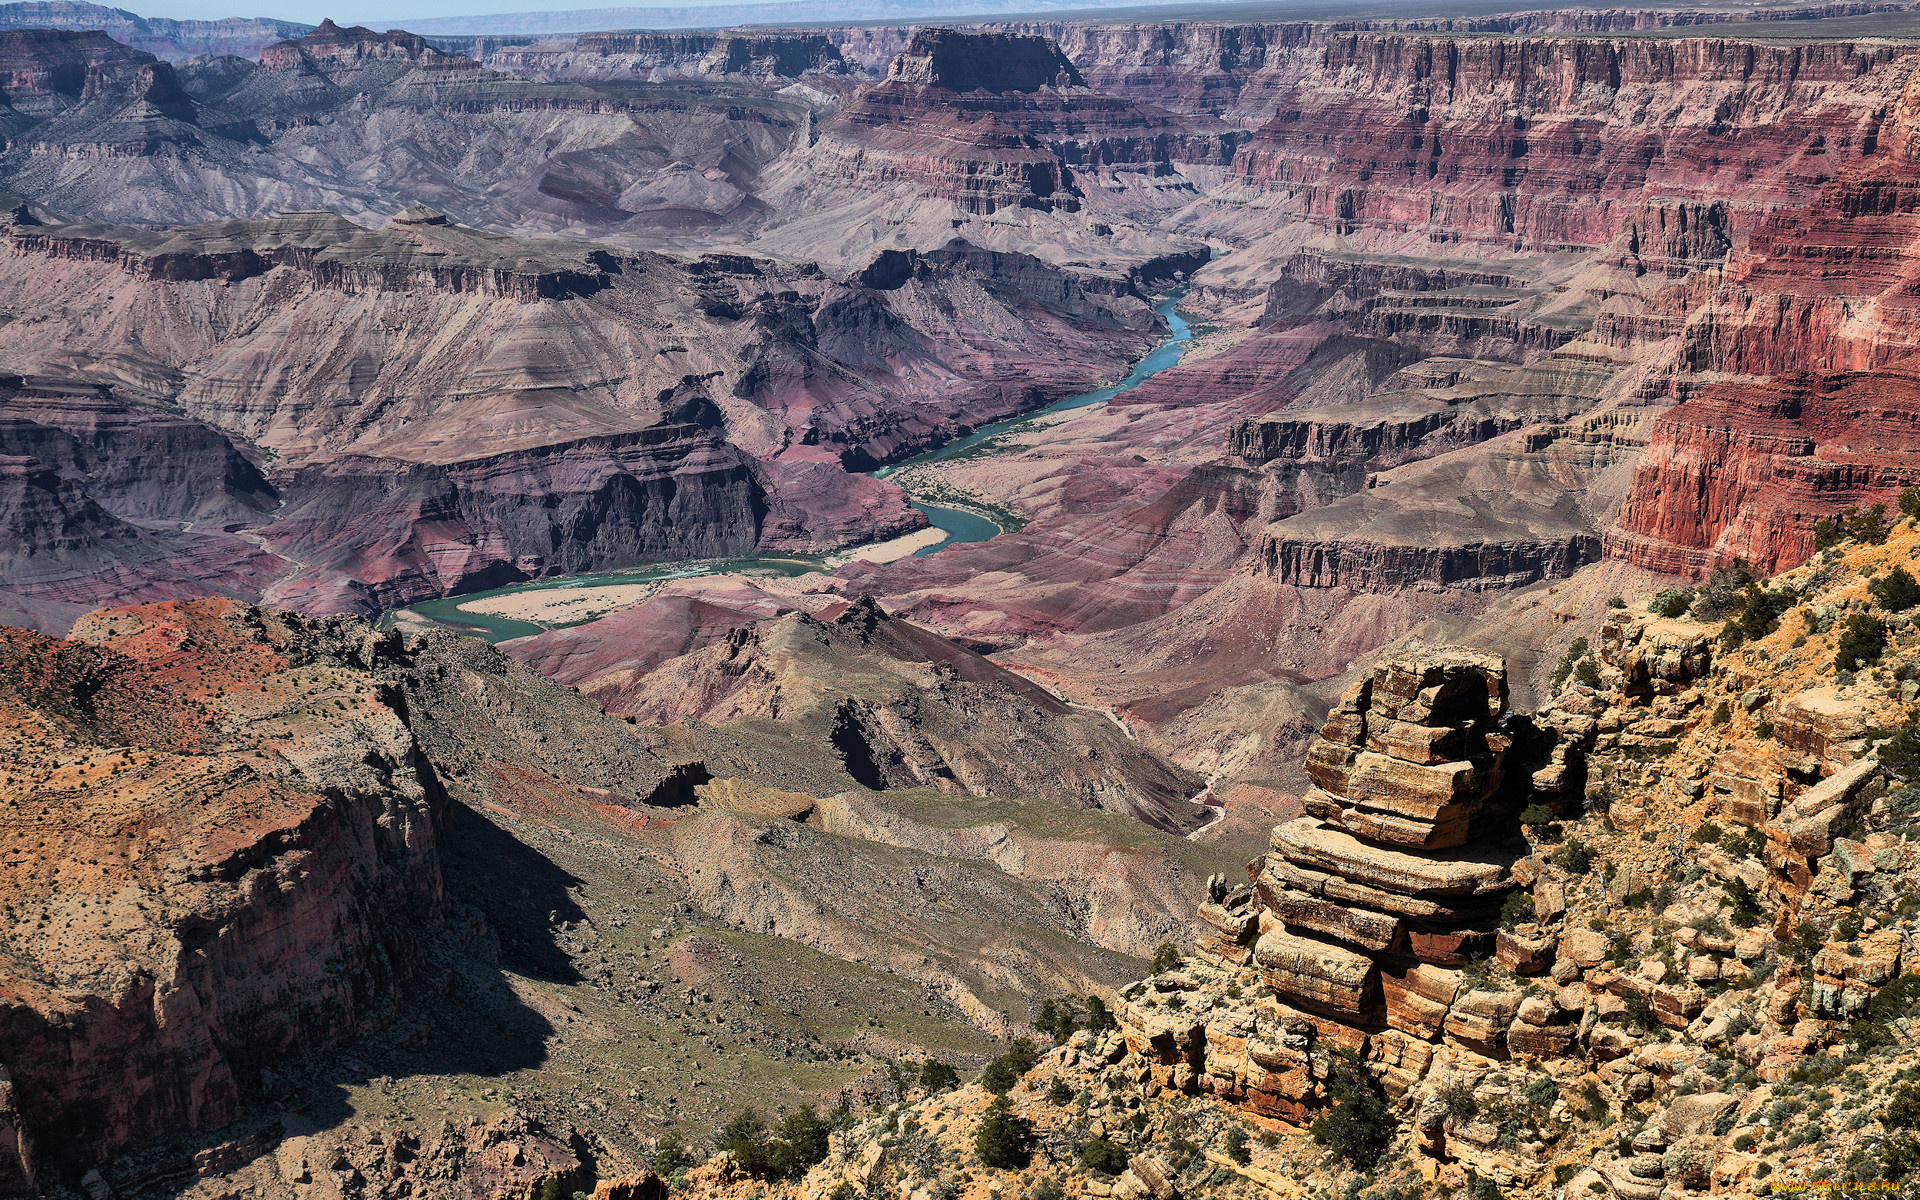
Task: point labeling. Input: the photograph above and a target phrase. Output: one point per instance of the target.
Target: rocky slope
(628, 408)
(1683, 966)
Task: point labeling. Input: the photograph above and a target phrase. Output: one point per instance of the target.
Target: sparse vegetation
(1868, 526)
(797, 1143)
(1862, 639)
(1896, 591)
(1005, 1071)
(1358, 1127)
(1005, 1138)
(1103, 1156)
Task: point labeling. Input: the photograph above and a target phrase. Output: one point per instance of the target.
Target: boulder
(1317, 975)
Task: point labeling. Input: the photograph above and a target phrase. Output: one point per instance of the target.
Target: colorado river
(575, 594)
(965, 525)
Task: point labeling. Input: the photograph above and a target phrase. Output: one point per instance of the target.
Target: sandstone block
(1345, 728)
(1317, 975)
(1524, 953)
(1587, 948)
(1541, 1041)
(1359, 926)
(1461, 872)
(1691, 1116)
(1480, 1019)
(1422, 744)
(1328, 764)
(1536, 1010)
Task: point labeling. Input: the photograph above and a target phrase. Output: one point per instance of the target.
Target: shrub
(1534, 816)
(1910, 502)
(1573, 857)
(1672, 603)
(1617, 602)
(1708, 833)
(1005, 1138)
(1166, 956)
(1576, 650)
(1754, 613)
(550, 1188)
(1900, 754)
(1867, 526)
(1861, 641)
(1542, 1091)
(1358, 1127)
(1721, 713)
(1048, 1189)
(669, 1156)
(938, 1077)
(1236, 1146)
(1058, 1020)
(1723, 594)
(1099, 1016)
(1103, 1156)
(1516, 910)
(1059, 1092)
(798, 1143)
(1897, 591)
(1586, 672)
(1741, 896)
(1004, 1072)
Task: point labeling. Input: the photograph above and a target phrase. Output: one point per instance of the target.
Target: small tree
(1357, 1128)
(550, 1188)
(1903, 1111)
(1103, 1156)
(1004, 1072)
(1236, 1146)
(1900, 754)
(1897, 590)
(1099, 1016)
(1861, 641)
(1057, 1020)
(1166, 956)
(1910, 502)
(1059, 1092)
(1005, 1138)
(670, 1157)
(938, 1077)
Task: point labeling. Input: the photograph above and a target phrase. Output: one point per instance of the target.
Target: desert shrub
(1536, 816)
(1099, 1016)
(1048, 1189)
(1861, 641)
(1721, 713)
(1755, 613)
(1897, 590)
(1573, 857)
(1586, 673)
(1057, 1020)
(1004, 1138)
(1004, 1072)
(1059, 1092)
(670, 1156)
(1542, 1091)
(1103, 1156)
(1867, 526)
(1358, 1127)
(1166, 956)
(1576, 650)
(1724, 592)
(1236, 1146)
(1516, 910)
(1709, 834)
(938, 1077)
(799, 1142)
(1900, 754)
(1671, 603)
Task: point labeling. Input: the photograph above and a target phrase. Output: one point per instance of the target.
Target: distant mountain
(161, 37)
(789, 12)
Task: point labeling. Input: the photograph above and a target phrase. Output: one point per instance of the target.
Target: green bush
(799, 1142)
(1755, 613)
(938, 1077)
(1897, 590)
(1900, 754)
(1542, 1091)
(1671, 603)
(1236, 1146)
(1004, 1072)
(1576, 650)
(670, 1157)
(1103, 1156)
(1724, 592)
(1867, 526)
(1057, 1020)
(1358, 1127)
(1573, 857)
(1048, 1189)
(1516, 910)
(1721, 714)
(1059, 1092)
(1099, 1016)
(1861, 641)
(1005, 1138)
(1586, 673)
(1535, 816)
(1708, 833)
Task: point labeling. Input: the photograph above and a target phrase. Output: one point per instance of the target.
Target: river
(965, 525)
(959, 524)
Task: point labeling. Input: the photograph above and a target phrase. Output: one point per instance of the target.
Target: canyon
(1500, 337)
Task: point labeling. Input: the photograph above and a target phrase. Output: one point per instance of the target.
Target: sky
(387, 14)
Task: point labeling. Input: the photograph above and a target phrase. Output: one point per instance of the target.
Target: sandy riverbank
(891, 549)
(562, 606)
